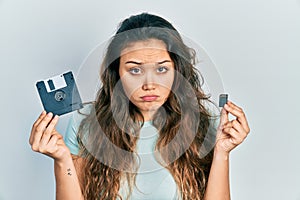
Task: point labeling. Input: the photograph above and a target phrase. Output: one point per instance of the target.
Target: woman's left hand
(231, 133)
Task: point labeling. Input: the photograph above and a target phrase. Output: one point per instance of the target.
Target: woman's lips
(149, 97)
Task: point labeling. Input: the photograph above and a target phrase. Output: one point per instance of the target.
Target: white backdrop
(255, 46)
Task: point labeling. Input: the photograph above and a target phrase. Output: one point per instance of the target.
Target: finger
(239, 113)
(227, 125)
(52, 145)
(44, 122)
(239, 128)
(42, 115)
(234, 105)
(235, 138)
(223, 117)
(49, 131)
(246, 127)
(234, 124)
(55, 141)
(39, 130)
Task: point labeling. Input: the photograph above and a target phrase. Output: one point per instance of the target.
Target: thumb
(223, 117)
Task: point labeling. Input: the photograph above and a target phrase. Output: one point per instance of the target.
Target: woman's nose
(148, 86)
(149, 83)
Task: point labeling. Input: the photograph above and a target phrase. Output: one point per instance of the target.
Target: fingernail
(49, 114)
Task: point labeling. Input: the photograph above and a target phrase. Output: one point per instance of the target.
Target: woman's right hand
(45, 139)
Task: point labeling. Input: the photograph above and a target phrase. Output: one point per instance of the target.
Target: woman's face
(147, 74)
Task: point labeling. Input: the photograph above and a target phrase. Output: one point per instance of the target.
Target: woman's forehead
(144, 44)
(149, 50)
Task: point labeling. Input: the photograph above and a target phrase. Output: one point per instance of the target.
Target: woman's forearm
(67, 182)
(218, 182)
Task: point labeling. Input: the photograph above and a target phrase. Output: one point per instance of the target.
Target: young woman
(145, 136)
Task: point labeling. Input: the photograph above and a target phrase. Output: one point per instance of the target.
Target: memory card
(223, 98)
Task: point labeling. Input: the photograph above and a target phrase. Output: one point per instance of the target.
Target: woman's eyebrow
(159, 63)
(140, 63)
(133, 62)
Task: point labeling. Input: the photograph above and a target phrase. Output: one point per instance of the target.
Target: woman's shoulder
(73, 127)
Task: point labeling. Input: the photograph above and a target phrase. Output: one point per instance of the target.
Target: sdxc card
(223, 98)
(59, 94)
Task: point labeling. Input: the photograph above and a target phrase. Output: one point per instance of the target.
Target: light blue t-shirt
(153, 181)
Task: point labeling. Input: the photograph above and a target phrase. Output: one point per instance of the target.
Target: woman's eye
(135, 70)
(162, 69)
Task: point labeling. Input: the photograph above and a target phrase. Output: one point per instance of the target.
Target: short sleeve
(71, 137)
(73, 127)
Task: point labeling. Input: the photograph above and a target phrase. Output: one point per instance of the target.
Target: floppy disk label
(54, 83)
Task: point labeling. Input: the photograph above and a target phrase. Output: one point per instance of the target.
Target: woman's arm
(67, 181)
(218, 181)
(45, 139)
(229, 135)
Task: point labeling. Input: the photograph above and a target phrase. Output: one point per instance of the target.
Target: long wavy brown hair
(108, 136)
